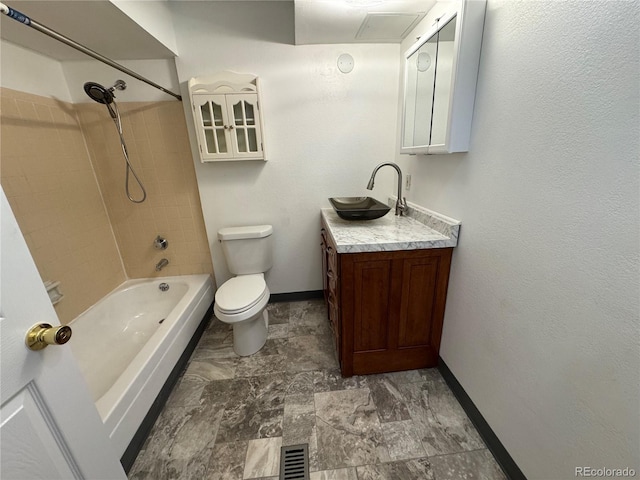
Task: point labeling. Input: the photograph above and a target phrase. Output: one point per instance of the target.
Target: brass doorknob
(43, 334)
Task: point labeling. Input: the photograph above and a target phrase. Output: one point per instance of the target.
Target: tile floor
(228, 416)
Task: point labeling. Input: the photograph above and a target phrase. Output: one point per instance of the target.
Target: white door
(50, 428)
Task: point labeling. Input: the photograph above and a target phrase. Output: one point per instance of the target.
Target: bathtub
(128, 343)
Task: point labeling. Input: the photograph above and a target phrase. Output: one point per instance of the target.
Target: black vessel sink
(358, 208)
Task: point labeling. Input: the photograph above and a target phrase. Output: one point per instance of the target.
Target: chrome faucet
(161, 264)
(401, 203)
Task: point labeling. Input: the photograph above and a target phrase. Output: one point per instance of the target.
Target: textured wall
(542, 314)
(325, 131)
(49, 182)
(158, 146)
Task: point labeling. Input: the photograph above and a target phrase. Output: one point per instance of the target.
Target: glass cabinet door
(211, 113)
(228, 126)
(245, 132)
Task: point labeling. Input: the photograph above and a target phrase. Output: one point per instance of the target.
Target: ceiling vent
(387, 27)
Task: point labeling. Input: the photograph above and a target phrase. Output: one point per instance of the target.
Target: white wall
(325, 131)
(541, 326)
(162, 72)
(28, 71)
(154, 16)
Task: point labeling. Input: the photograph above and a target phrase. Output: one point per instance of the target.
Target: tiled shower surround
(63, 173)
(228, 416)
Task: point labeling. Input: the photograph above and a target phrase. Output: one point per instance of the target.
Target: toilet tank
(247, 249)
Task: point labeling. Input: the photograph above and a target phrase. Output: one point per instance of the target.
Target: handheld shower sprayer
(104, 95)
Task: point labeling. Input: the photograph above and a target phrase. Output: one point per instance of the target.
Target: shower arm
(24, 19)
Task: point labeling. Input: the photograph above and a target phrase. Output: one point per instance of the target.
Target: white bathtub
(128, 343)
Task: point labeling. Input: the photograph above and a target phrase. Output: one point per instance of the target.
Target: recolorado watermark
(605, 472)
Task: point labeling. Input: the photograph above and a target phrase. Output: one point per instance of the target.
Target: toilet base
(249, 336)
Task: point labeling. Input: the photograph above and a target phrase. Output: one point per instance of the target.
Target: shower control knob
(43, 334)
(160, 243)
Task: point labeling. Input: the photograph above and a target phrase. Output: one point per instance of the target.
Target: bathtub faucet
(161, 264)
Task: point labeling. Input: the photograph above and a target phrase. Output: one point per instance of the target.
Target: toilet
(241, 301)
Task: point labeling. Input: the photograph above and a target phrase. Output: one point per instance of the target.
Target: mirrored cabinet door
(440, 76)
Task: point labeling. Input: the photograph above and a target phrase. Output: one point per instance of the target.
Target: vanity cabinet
(227, 117)
(385, 308)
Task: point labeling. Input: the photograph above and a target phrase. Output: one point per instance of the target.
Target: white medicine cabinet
(227, 117)
(440, 75)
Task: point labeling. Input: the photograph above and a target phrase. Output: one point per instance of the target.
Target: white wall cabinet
(441, 70)
(227, 117)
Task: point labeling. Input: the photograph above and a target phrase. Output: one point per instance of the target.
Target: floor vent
(294, 462)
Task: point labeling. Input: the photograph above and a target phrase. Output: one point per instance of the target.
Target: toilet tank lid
(239, 233)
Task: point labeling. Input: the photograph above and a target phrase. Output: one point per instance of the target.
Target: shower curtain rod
(22, 18)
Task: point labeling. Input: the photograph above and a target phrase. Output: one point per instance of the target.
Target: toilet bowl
(241, 301)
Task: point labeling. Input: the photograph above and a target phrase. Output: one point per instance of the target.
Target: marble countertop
(420, 229)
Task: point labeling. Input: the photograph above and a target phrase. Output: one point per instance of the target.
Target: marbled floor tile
(219, 392)
(244, 422)
(298, 404)
(406, 376)
(403, 440)
(300, 383)
(330, 380)
(419, 469)
(299, 429)
(476, 465)
(186, 393)
(197, 433)
(309, 318)
(227, 461)
(255, 408)
(183, 469)
(278, 331)
(208, 369)
(180, 443)
(263, 458)
(273, 346)
(256, 365)
(348, 430)
(443, 425)
(213, 351)
(299, 423)
(310, 352)
(339, 474)
(278, 313)
(388, 399)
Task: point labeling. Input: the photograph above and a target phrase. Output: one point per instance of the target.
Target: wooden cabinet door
(392, 307)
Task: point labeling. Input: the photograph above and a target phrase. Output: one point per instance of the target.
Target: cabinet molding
(227, 117)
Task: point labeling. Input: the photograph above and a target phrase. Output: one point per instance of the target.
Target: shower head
(101, 94)
(98, 93)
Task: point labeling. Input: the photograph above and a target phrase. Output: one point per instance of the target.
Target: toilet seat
(241, 297)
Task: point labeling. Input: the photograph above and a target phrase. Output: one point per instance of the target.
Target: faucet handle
(401, 206)
(160, 243)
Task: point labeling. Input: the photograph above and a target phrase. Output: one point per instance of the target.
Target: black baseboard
(494, 444)
(295, 296)
(132, 451)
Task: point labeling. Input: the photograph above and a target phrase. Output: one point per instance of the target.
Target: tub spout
(161, 264)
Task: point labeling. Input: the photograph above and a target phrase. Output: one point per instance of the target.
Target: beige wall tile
(81, 231)
(47, 177)
(157, 142)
